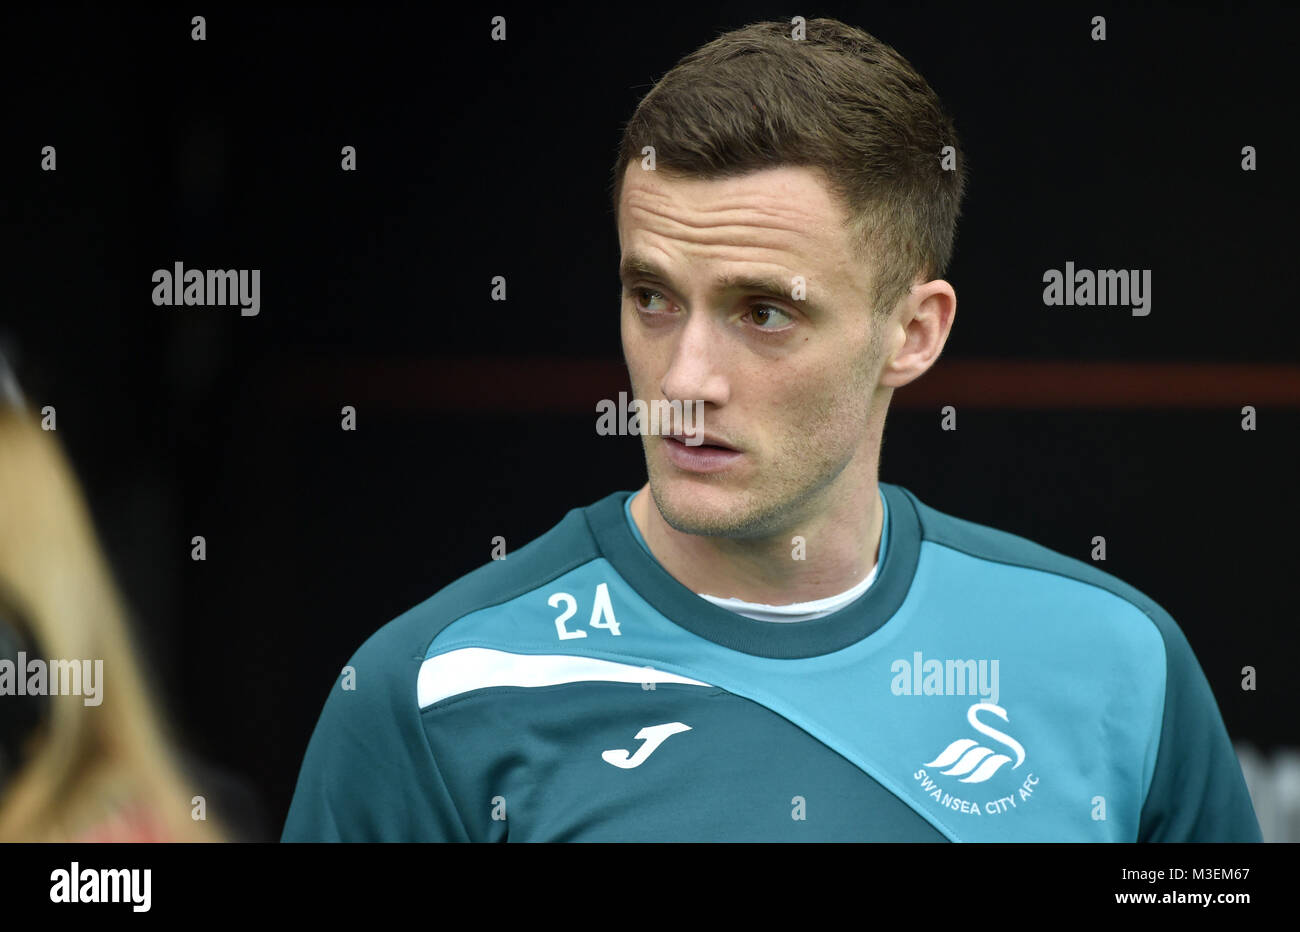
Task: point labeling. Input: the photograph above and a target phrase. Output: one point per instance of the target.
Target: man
(765, 643)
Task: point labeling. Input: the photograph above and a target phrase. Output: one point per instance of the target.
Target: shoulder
(405, 640)
(997, 547)
(1026, 565)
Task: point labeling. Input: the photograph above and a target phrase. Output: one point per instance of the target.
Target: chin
(705, 506)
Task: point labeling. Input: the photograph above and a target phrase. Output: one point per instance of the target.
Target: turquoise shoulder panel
(1194, 790)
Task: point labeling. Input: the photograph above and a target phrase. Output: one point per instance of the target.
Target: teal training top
(983, 688)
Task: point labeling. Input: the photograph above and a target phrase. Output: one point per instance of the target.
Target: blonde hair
(85, 763)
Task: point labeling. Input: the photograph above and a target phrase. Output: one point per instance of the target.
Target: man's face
(787, 384)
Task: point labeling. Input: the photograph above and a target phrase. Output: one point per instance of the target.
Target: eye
(764, 314)
(637, 294)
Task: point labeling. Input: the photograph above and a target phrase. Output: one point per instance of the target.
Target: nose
(695, 373)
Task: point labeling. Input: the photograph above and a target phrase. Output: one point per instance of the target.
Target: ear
(917, 331)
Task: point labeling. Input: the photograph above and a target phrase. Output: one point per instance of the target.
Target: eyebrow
(638, 266)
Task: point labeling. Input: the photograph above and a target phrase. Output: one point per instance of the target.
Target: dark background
(475, 418)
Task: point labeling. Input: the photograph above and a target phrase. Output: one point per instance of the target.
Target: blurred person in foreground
(69, 771)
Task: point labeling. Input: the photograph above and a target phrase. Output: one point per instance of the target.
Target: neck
(842, 544)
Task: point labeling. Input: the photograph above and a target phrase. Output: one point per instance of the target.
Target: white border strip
(459, 671)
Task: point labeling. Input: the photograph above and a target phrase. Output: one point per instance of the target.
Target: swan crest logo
(968, 759)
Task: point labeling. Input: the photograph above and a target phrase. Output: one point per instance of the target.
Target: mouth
(711, 456)
(694, 442)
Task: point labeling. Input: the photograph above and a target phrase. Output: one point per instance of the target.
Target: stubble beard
(796, 488)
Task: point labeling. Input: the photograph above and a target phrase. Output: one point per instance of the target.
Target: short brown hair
(839, 100)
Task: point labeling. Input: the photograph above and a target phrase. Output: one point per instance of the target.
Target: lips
(707, 457)
(709, 441)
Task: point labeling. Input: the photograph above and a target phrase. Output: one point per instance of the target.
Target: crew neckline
(900, 552)
(793, 612)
